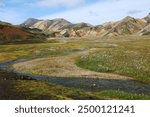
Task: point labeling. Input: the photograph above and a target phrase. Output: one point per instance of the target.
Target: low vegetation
(127, 56)
(18, 51)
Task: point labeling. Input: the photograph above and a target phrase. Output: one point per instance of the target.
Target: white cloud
(2, 3)
(57, 3)
(103, 11)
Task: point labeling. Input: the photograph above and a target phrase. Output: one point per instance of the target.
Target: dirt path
(87, 80)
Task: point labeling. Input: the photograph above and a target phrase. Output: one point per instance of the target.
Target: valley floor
(77, 69)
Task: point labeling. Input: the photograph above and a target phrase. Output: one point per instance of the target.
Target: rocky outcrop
(145, 31)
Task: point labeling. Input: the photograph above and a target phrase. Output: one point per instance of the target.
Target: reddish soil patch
(10, 32)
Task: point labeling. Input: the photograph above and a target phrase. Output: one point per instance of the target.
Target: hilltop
(11, 34)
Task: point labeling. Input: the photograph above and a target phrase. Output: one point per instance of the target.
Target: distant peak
(148, 15)
(147, 18)
(84, 24)
(29, 22)
(33, 19)
(57, 19)
(128, 17)
(60, 19)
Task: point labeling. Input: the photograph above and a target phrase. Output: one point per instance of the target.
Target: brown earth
(9, 32)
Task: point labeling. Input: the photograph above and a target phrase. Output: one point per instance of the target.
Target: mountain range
(64, 28)
(35, 28)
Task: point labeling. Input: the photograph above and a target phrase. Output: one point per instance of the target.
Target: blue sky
(91, 11)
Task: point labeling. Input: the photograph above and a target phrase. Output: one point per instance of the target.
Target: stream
(89, 84)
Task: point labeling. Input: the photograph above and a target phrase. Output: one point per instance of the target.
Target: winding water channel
(91, 84)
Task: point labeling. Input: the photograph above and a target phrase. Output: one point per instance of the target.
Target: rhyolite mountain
(128, 25)
(47, 25)
(58, 27)
(64, 28)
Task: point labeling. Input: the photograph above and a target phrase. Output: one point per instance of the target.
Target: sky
(90, 11)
